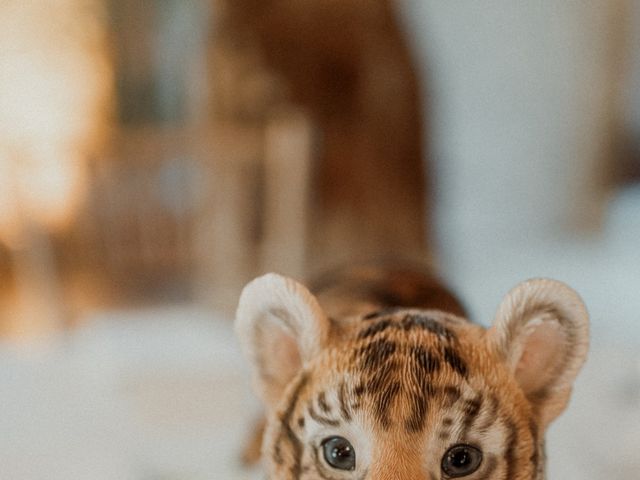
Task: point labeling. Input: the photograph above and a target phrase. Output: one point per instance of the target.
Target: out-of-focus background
(155, 156)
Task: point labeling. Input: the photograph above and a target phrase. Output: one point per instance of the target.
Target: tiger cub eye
(339, 453)
(461, 460)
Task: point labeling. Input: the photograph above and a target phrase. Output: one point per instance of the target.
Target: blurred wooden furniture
(346, 70)
(256, 216)
(177, 213)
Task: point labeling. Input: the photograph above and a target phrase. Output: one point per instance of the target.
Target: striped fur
(401, 374)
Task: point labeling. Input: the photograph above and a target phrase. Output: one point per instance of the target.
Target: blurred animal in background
(380, 376)
(347, 66)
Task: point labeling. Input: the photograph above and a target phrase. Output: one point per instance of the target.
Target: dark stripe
(510, 453)
(408, 322)
(423, 322)
(321, 418)
(535, 456)
(383, 402)
(423, 364)
(471, 409)
(490, 415)
(342, 399)
(416, 420)
(451, 395)
(427, 361)
(322, 403)
(382, 384)
(454, 360)
(288, 433)
(375, 353)
(382, 378)
(374, 329)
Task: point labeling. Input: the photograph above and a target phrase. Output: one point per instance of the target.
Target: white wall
(522, 100)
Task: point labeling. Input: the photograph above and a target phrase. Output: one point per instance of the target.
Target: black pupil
(339, 453)
(461, 460)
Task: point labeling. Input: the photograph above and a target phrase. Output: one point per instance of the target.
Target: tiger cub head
(409, 394)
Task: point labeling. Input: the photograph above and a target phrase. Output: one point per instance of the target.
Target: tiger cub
(380, 376)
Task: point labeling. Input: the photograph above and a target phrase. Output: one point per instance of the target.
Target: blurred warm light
(41, 187)
(56, 85)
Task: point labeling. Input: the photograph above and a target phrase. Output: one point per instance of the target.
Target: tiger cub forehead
(396, 368)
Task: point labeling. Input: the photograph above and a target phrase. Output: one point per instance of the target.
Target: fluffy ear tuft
(280, 326)
(541, 332)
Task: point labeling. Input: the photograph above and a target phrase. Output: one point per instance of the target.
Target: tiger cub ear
(541, 331)
(281, 326)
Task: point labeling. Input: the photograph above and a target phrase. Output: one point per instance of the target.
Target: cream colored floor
(155, 395)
